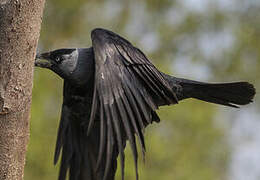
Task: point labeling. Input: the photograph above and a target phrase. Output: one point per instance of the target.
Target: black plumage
(111, 92)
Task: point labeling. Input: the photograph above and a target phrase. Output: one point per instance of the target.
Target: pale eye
(59, 59)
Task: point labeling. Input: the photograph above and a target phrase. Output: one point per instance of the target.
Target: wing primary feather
(93, 109)
(141, 101)
(67, 153)
(123, 53)
(130, 51)
(130, 133)
(147, 80)
(133, 112)
(122, 110)
(134, 123)
(155, 76)
(163, 83)
(103, 131)
(63, 169)
(76, 160)
(136, 57)
(137, 113)
(143, 92)
(115, 117)
(107, 95)
(116, 124)
(61, 132)
(110, 143)
(130, 97)
(153, 83)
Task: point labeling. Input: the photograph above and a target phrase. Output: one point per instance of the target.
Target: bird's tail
(228, 94)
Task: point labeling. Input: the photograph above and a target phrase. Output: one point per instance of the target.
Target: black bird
(111, 92)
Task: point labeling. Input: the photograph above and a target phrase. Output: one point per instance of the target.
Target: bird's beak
(43, 60)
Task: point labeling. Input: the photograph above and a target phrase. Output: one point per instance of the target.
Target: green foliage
(186, 144)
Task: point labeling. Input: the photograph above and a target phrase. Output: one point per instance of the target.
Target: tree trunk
(20, 22)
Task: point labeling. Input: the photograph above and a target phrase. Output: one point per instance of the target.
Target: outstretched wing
(125, 81)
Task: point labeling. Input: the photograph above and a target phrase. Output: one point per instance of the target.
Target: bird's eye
(59, 59)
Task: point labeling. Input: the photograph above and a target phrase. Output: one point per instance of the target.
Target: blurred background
(203, 40)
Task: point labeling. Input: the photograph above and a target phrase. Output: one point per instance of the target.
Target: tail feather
(228, 94)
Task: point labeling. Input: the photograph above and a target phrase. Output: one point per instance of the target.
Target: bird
(111, 93)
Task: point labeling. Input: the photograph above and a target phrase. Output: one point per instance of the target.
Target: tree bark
(20, 22)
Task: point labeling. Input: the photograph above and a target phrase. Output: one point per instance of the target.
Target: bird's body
(111, 92)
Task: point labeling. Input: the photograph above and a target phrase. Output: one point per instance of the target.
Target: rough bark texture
(20, 22)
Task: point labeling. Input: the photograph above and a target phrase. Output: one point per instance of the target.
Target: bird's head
(75, 64)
